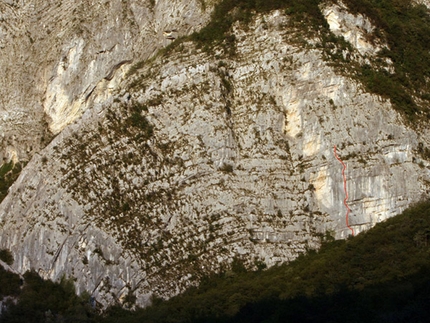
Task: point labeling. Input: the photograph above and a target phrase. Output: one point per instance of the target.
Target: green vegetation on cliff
(406, 29)
(42, 301)
(402, 25)
(379, 276)
(382, 275)
(9, 172)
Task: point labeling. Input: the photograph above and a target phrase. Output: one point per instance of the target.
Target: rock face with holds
(176, 166)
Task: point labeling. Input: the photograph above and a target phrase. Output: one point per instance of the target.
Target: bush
(45, 301)
(227, 168)
(6, 256)
(9, 283)
(9, 172)
(140, 122)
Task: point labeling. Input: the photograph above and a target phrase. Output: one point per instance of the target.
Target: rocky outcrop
(54, 56)
(196, 159)
(355, 29)
(424, 2)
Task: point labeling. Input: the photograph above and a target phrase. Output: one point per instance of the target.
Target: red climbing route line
(346, 192)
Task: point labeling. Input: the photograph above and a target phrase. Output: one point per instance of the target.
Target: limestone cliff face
(53, 55)
(196, 159)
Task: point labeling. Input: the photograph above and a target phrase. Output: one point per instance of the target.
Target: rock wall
(355, 29)
(199, 158)
(54, 54)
